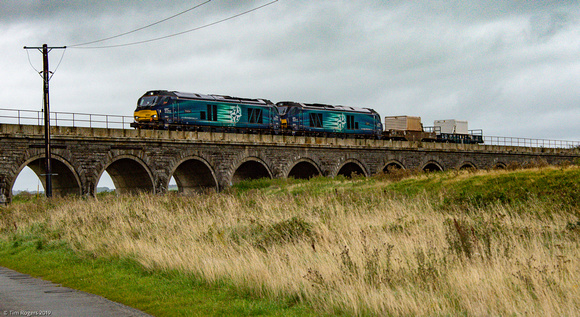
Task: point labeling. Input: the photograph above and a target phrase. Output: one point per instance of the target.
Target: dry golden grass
(353, 252)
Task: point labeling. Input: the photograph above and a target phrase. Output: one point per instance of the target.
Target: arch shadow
(392, 165)
(129, 174)
(250, 168)
(304, 169)
(500, 166)
(351, 167)
(432, 166)
(467, 166)
(194, 175)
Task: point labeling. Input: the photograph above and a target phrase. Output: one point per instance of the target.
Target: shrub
(287, 231)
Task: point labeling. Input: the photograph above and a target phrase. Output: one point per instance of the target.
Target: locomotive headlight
(154, 116)
(136, 117)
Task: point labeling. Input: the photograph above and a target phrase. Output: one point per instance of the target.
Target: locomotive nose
(146, 115)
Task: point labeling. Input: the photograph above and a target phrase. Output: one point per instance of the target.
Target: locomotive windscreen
(282, 110)
(146, 102)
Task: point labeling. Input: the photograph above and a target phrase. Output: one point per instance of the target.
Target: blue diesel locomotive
(320, 119)
(161, 109)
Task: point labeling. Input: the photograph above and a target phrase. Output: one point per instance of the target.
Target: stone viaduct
(145, 160)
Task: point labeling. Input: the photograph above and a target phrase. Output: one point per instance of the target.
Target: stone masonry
(145, 160)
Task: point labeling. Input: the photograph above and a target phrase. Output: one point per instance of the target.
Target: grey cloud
(546, 25)
(498, 65)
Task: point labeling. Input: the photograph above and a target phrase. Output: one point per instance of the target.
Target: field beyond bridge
(487, 242)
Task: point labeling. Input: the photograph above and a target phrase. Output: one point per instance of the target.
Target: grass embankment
(483, 243)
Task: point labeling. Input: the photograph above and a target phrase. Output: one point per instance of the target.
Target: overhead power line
(141, 28)
(175, 34)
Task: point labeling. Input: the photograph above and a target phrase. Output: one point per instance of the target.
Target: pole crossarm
(41, 47)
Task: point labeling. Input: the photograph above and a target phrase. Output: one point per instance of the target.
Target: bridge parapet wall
(10, 130)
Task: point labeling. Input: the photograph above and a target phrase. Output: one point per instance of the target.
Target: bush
(287, 231)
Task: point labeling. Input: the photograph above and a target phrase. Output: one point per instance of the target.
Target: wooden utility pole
(46, 78)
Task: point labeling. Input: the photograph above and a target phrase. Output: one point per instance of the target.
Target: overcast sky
(511, 68)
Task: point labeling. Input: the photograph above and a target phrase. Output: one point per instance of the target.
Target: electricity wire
(141, 28)
(58, 65)
(109, 38)
(180, 33)
(29, 62)
(145, 41)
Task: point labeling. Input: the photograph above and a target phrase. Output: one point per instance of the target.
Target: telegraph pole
(46, 78)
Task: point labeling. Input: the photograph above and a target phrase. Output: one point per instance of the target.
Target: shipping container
(403, 123)
(451, 126)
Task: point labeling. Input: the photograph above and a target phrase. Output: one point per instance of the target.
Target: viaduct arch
(65, 179)
(393, 165)
(129, 174)
(303, 168)
(350, 168)
(194, 175)
(250, 168)
(467, 165)
(432, 166)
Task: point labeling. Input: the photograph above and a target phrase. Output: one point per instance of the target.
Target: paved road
(23, 295)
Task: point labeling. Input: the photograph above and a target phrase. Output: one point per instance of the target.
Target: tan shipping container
(403, 123)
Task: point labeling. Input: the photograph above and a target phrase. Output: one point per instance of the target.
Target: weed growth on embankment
(459, 242)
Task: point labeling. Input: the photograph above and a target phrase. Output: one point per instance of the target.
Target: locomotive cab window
(316, 120)
(255, 115)
(166, 101)
(147, 102)
(293, 111)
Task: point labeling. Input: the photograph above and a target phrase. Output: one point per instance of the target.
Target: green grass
(452, 188)
(125, 281)
(560, 186)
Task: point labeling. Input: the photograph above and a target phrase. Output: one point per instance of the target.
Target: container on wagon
(451, 126)
(403, 123)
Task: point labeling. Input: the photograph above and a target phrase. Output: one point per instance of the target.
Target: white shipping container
(451, 126)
